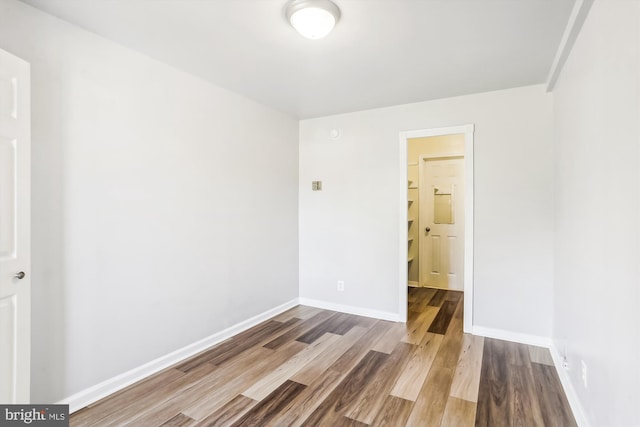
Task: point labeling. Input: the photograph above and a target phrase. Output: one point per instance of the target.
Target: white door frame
(467, 130)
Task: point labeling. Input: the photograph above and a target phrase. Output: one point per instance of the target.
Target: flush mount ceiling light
(313, 19)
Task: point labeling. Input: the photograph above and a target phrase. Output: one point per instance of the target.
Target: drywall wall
(432, 145)
(164, 208)
(349, 230)
(597, 306)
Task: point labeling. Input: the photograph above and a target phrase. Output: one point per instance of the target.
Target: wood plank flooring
(312, 367)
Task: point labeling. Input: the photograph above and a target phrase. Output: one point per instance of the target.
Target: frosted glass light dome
(313, 19)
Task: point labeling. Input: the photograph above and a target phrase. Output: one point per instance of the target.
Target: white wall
(597, 305)
(349, 231)
(164, 208)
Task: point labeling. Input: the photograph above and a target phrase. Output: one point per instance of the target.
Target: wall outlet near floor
(565, 359)
(340, 285)
(584, 373)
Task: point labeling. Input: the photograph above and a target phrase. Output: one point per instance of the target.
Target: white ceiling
(381, 53)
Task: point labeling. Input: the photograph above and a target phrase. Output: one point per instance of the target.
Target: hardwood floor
(312, 367)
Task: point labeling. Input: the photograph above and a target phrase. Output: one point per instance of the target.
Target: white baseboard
(110, 386)
(501, 334)
(569, 390)
(414, 284)
(359, 311)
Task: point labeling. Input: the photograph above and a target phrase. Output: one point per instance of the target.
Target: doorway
(450, 214)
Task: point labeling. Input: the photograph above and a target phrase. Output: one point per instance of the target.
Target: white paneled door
(15, 284)
(442, 223)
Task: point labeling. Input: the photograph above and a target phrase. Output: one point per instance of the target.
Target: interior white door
(15, 284)
(442, 223)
